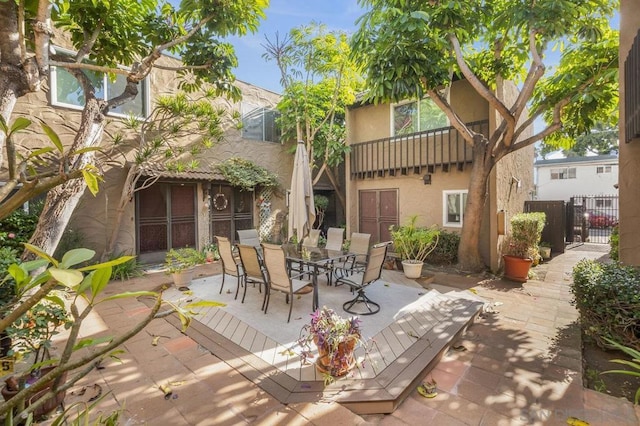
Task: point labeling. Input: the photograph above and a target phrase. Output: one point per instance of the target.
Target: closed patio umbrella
(302, 210)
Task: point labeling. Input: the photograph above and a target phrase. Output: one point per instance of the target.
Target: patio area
(405, 339)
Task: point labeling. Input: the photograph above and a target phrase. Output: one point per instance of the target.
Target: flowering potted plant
(336, 338)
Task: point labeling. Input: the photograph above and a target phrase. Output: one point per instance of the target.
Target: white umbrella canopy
(302, 210)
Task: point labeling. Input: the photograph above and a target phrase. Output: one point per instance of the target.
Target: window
(66, 91)
(563, 173)
(260, 124)
(603, 169)
(604, 203)
(454, 204)
(414, 116)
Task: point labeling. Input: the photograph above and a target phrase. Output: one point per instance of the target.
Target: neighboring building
(563, 178)
(405, 159)
(629, 60)
(181, 208)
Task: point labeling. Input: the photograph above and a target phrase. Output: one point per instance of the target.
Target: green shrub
(8, 256)
(608, 299)
(127, 270)
(614, 242)
(18, 227)
(446, 252)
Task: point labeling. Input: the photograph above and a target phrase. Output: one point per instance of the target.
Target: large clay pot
(516, 268)
(49, 405)
(343, 361)
(182, 278)
(412, 268)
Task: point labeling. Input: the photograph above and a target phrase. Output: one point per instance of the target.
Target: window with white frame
(259, 123)
(67, 92)
(604, 202)
(603, 169)
(563, 173)
(417, 116)
(454, 203)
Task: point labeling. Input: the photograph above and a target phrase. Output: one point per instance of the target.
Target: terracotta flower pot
(412, 268)
(49, 405)
(341, 362)
(516, 268)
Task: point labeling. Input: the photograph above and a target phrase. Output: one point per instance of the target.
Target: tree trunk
(62, 200)
(125, 197)
(469, 251)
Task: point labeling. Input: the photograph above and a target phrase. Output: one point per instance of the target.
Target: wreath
(220, 202)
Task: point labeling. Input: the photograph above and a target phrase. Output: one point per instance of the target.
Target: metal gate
(593, 217)
(554, 230)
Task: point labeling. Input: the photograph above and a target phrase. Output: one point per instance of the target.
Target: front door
(166, 214)
(231, 210)
(378, 211)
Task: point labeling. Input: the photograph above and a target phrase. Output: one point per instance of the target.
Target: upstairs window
(603, 169)
(260, 124)
(563, 173)
(67, 92)
(417, 116)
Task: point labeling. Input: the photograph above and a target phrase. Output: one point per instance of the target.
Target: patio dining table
(316, 259)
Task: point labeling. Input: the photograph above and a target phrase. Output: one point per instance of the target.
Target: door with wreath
(231, 210)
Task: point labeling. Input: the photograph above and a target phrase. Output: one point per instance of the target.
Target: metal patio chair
(231, 265)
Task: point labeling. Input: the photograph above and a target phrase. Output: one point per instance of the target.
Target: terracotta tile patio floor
(521, 365)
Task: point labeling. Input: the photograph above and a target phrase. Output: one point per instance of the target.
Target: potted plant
(336, 339)
(522, 245)
(32, 335)
(180, 262)
(413, 244)
(211, 253)
(545, 250)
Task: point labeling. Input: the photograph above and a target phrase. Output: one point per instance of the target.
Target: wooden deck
(398, 359)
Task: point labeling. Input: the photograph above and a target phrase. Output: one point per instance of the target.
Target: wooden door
(378, 211)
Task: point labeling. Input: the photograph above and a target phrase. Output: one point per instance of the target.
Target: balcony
(422, 152)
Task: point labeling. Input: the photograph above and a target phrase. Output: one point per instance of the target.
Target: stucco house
(180, 208)
(406, 159)
(563, 178)
(629, 126)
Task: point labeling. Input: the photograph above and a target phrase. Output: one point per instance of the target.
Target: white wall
(586, 182)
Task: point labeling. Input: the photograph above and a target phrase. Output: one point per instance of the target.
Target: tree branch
(90, 67)
(454, 119)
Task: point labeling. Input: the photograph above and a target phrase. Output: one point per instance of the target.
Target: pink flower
(11, 235)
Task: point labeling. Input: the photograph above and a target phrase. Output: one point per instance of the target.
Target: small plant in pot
(413, 244)
(521, 250)
(180, 262)
(336, 339)
(211, 253)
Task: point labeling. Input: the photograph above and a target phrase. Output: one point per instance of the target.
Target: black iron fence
(590, 218)
(418, 153)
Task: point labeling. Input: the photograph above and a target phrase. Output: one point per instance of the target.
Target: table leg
(315, 288)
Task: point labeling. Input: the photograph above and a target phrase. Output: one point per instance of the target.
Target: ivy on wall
(246, 174)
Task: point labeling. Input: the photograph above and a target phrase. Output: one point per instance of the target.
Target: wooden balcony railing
(415, 153)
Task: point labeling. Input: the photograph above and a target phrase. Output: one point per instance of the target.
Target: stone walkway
(519, 364)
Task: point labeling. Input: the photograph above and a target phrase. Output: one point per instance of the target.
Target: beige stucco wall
(629, 152)
(94, 216)
(371, 122)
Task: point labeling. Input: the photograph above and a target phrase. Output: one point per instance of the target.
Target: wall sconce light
(426, 179)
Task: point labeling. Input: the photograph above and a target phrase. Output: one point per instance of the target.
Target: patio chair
(358, 248)
(312, 239)
(249, 237)
(335, 239)
(231, 265)
(278, 278)
(254, 272)
(361, 280)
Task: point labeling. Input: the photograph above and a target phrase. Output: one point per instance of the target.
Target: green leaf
(92, 181)
(205, 303)
(67, 277)
(86, 284)
(114, 262)
(99, 279)
(39, 152)
(131, 294)
(76, 256)
(3, 125)
(53, 136)
(19, 124)
(38, 252)
(55, 299)
(83, 343)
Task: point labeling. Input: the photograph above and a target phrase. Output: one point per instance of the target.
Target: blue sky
(282, 16)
